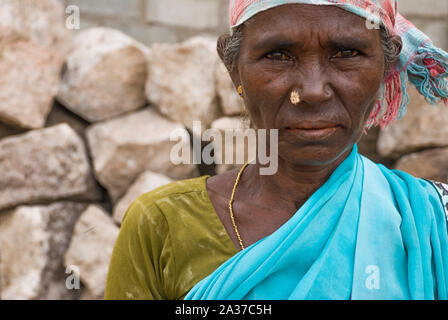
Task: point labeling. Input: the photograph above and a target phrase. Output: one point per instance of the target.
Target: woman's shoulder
(170, 196)
(175, 188)
(436, 190)
(184, 209)
(181, 231)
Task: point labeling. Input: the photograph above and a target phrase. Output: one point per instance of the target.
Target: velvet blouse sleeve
(142, 259)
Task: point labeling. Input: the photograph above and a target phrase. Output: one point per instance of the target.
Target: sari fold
(367, 233)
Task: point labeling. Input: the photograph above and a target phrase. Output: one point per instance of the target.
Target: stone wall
(86, 122)
(151, 21)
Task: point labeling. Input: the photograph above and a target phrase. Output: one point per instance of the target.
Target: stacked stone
(86, 127)
(153, 21)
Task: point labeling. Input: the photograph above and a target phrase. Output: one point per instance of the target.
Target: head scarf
(420, 62)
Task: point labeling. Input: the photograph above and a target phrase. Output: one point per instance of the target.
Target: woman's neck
(290, 187)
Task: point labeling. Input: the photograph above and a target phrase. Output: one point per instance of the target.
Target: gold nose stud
(295, 97)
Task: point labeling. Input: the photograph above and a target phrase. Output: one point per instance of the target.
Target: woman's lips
(315, 134)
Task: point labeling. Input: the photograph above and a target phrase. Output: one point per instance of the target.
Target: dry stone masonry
(87, 119)
(104, 75)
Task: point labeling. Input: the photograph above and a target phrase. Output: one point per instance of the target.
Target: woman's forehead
(299, 21)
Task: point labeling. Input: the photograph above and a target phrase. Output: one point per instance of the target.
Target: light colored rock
(231, 102)
(45, 165)
(104, 75)
(130, 9)
(430, 164)
(146, 182)
(91, 248)
(41, 22)
(125, 147)
(423, 126)
(243, 147)
(181, 80)
(144, 33)
(29, 81)
(33, 241)
(183, 13)
(33, 43)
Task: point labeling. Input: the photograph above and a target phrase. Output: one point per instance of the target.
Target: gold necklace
(232, 198)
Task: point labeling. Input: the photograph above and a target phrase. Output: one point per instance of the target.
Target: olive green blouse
(170, 239)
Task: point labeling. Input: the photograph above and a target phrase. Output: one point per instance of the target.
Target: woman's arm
(141, 263)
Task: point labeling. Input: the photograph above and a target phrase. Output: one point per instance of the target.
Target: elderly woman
(330, 223)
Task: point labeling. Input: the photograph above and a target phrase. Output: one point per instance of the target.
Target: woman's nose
(314, 85)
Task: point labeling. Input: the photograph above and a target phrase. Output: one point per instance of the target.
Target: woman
(330, 224)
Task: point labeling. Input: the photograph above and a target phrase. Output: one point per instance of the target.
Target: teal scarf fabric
(367, 233)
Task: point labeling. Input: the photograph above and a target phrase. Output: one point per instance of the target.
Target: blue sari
(368, 233)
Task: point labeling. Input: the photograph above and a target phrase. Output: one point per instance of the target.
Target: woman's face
(330, 57)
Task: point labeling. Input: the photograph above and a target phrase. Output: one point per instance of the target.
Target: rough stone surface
(147, 34)
(146, 182)
(131, 9)
(231, 102)
(91, 248)
(424, 126)
(125, 147)
(45, 165)
(181, 80)
(236, 126)
(104, 75)
(41, 22)
(195, 14)
(33, 241)
(430, 164)
(29, 81)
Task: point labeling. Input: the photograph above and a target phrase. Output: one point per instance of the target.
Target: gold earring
(240, 90)
(295, 97)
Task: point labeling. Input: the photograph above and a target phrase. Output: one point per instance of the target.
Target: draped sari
(367, 233)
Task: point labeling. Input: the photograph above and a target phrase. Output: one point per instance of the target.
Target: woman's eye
(346, 53)
(279, 56)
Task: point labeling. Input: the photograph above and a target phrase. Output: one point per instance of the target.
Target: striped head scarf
(420, 62)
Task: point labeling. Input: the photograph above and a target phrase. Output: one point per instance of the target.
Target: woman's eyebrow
(342, 42)
(349, 42)
(274, 42)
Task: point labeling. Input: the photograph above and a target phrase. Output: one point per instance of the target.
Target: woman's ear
(228, 58)
(398, 44)
(392, 48)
